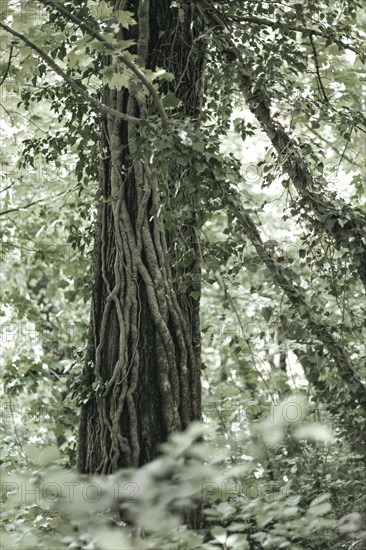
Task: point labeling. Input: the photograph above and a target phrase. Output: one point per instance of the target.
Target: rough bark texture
(142, 368)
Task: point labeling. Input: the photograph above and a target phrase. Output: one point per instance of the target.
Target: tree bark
(142, 366)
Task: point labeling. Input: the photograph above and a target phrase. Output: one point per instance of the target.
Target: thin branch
(317, 68)
(71, 82)
(33, 203)
(9, 111)
(125, 60)
(345, 147)
(332, 146)
(6, 71)
(6, 188)
(11, 210)
(296, 28)
(221, 281)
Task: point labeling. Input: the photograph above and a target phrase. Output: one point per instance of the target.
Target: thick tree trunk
(142, 369)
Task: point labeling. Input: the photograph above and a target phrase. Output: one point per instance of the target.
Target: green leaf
(320, 509)
(198, 146)
(125, 18)
(103, 11)
(219, 533)
(237, 541)
(120, 80)
(171, 101)
(267, 312)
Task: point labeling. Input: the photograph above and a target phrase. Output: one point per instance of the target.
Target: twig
(9, 111)
(332, 146)
(6, 71)
(296, 28)
(345, 147)
(31, 203)
(317, 68)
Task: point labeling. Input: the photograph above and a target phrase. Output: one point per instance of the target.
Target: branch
(130, 64)
(19, 208)
(9, 111)
(296, 28)
(71, 82)
(345, 148)
(332, 146)
(317, 68)
(327, 211)
(6, 71)
(6, 188)
(11, 210)
(297, 299)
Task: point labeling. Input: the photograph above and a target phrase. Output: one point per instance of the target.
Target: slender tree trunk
(142, 367)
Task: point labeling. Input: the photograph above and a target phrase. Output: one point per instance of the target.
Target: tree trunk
(142, 367)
